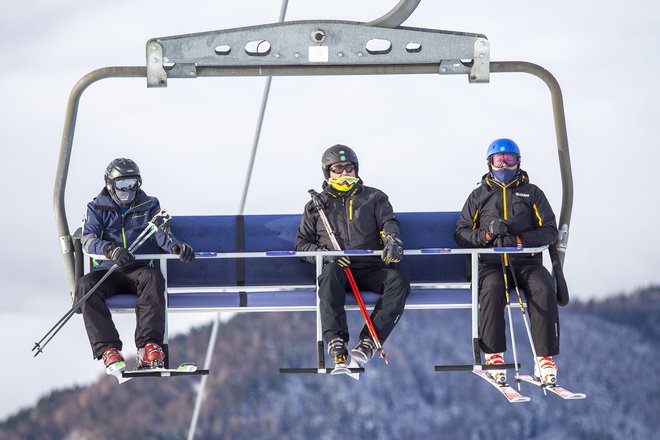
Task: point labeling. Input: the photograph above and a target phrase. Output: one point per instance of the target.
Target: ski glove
(118, 255)
(343, 261)
(393, 249)
(508, 241)
(497, 228)
(184, 251)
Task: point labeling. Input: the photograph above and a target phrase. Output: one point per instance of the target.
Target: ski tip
(187, 366)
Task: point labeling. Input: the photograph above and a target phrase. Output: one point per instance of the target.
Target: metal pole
(207, 364)
(397, 15)
(560, 134)
(257, 132)
(66, 146)
(216, 323)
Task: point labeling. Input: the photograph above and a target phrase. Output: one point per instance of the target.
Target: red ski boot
(151, 356)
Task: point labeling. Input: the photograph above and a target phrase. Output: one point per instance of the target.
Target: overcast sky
(420, 139)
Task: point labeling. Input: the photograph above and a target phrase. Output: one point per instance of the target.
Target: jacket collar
(489, 181)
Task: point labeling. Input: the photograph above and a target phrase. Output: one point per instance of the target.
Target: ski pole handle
(318, 204)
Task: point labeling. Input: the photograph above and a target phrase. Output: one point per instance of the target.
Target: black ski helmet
(335, 154)
(118, 169)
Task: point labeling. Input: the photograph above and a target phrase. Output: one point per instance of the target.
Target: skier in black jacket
(361, 217)
(508, 211)
(114, 219)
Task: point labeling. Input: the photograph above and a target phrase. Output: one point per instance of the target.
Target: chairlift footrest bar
(315, 370)
(163, 373)
(470, 367)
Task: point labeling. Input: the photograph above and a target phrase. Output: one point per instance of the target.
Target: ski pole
(160, 220)
(525, 320)
(349, 274)
(508, 308)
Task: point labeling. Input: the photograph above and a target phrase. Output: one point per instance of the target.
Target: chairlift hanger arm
(397, 15)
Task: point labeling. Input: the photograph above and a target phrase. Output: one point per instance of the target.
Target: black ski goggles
(128, 184)
(338, 169)
(499, 160)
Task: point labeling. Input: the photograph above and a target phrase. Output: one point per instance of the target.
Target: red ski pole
(349, 274)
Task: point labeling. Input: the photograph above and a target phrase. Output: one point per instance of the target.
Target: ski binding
(117, 370)
(561, 392)
(347, 370)
(511, 395)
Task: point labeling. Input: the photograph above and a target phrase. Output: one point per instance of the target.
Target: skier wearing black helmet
(506, 210)
(114, 219)
(361, 217)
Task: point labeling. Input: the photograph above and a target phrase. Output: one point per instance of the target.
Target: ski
(511, 395)
(352, 370)
(561, 392)
(185, 369)
(117, 370)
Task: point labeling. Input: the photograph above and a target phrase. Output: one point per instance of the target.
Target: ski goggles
(128, 184)
(500, 160)
(338, 169)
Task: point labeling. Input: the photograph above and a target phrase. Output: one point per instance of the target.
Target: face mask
(125, 198)
(343, 183)
(504, 175)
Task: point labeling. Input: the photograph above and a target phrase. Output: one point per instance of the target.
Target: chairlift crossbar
(341, 45)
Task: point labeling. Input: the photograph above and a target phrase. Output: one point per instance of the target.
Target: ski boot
(363, 351)
(338, 352)
(498, 376)
(548, 373)
(151, 356)
(113, 362)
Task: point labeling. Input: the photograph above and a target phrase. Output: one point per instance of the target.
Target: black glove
(343, 261)
(392, 249)
(497, 228)
(118, 255)
(507, 241)
(184, 251)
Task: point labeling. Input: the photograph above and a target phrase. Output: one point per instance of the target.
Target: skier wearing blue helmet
(506, 210)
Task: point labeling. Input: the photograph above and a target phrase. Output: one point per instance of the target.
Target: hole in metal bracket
(222, 50)
(376, 46)
(258, 48)
(413, 47)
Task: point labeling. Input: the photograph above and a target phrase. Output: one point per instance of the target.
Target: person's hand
(392, 249)
(497, 228)
(119, 255)
(184, 251)
(509, 241)
(343, 261)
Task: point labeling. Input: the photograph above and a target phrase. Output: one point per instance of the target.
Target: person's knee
(398, 281)
(332, 274)
(152, 276)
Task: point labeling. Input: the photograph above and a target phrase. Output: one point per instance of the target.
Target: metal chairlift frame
(313, 47)
(290, 46)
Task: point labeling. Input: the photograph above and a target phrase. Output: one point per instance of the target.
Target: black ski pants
(333, 285)
(147, 283)
(539, 287)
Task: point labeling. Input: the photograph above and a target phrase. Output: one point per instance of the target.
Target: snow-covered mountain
(608, 352)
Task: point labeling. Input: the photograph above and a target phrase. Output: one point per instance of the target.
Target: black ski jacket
(356, 217)
(522, 204)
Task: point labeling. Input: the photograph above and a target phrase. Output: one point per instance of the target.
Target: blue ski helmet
(502, 146)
